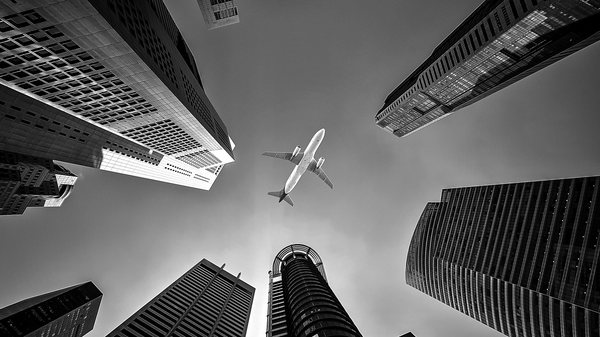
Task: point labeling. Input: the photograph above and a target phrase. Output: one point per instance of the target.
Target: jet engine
(296, 151)
(320, 162)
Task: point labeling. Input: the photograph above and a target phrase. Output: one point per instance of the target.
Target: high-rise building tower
(27, 181)
(110, 85)
(70, 312)
(521, 258)
(301, 303)
(501, 42)
(219, 13)
(206, 301)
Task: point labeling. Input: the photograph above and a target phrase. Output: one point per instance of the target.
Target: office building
(301, 303)
(501, 42)
(521, 258)
(408, 334)
(110, 85)
(70, 312)
(206, 301)
(27, 181)
(219, 13)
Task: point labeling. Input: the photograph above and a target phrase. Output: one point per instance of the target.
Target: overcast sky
(288, 69)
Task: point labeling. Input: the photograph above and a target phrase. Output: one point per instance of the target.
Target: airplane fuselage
(308, 156)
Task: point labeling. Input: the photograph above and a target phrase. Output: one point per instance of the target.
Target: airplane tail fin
(281, 195)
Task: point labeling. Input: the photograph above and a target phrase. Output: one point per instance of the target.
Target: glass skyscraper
(521, 258)
(107, 84)
(301, 303)
(69, 312)
(27, 181)
(501, 42)
(206, 301)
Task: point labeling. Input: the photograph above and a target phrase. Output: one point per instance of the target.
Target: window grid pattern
(200, 159)
(206, 301)
(165, 136)
(531, 41)
(219, 13)
(100, 78)
(517, 257)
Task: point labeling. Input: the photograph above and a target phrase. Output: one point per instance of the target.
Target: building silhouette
(27, 181)
(110, 85)
(219, 13)
(301, 303)
(501, 42)
(206, 301)
(521, 258)
(69, 312)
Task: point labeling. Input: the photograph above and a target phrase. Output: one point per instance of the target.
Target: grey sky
(286, 70)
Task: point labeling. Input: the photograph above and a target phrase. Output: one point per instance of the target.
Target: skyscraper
(219, 13)
(501, 42)
(110, 85)
(206, 301)
(70, 312)
(301, 303)
(521, 258)
(27, 181)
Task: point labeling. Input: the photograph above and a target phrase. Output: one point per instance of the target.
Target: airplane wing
(285, 156)
(319, 172)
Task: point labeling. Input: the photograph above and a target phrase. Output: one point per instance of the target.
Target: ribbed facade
(301, 303)
(27, 181)
(110, 85)
(521, 258)
(501, 42)
(206, 301)
(69, 312)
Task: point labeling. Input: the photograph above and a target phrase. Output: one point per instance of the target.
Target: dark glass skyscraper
(110, 85)
(69, 312)
(301, 303)
(521, 258)
(501, 42)
(206, 301)
(27, 181)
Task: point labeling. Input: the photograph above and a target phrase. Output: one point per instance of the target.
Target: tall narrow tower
(206, 301)
(521, 258)
(301, 303)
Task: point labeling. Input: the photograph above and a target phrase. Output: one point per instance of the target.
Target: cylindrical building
(301, 303)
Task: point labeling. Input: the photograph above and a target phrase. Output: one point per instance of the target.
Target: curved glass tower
(521, 258)
(301, 303)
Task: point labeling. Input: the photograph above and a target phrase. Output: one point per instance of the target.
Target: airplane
(304, 161)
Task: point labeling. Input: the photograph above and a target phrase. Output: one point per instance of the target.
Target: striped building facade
(301, 303)
(501, 42)
(521, 258)
(206, 301)
(110, 85)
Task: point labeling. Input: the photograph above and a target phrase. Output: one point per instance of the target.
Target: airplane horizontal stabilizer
(281, 195)
(288, 200)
